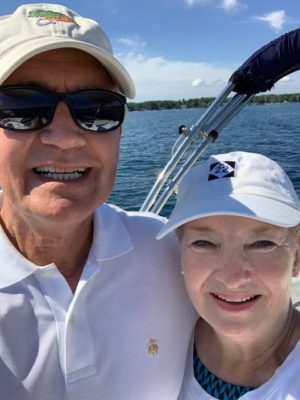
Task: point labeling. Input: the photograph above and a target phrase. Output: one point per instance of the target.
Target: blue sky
(178, 49)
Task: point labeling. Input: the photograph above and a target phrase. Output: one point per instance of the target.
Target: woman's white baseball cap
(238, 183)
(35, 28)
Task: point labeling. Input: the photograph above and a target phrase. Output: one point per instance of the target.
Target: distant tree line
(206, 102)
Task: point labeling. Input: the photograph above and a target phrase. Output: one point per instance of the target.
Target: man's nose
(63, 132)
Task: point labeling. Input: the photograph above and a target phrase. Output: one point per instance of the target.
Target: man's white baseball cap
(238, 183)
(35, 28)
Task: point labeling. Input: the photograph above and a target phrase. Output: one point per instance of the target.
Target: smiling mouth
(235, 300)
(59, 174)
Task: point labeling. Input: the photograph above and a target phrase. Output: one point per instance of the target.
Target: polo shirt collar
(111, 240)
(14, 267)
(111, 237)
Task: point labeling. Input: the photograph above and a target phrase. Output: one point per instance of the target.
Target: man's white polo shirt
(123, 334)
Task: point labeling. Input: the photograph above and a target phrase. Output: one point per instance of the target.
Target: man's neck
(65, 245)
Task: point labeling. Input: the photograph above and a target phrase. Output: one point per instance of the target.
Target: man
(91, 305)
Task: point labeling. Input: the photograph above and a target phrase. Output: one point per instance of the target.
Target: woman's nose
(234, 268)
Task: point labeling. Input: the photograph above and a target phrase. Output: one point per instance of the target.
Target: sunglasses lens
(98, 111)
(27, 109)
(23, 109)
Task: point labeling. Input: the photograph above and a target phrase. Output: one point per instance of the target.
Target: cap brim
(12, 60)
(244, 205)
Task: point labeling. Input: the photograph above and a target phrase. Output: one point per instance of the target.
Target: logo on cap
(49, 17)
(219, 170)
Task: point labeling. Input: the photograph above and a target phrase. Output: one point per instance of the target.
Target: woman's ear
(296, 267)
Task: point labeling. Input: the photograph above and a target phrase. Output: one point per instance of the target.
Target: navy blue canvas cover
(267, 65)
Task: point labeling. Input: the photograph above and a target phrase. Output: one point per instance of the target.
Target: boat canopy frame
(257, 74)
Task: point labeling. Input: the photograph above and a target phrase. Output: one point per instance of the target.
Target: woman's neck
(245, 363)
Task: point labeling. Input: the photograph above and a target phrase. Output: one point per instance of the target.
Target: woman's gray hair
(296, 229)
(179, 232)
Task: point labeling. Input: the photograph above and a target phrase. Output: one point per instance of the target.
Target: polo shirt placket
(72, 325)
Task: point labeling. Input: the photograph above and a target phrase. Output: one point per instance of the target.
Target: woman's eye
(201, 244)
(263, 244)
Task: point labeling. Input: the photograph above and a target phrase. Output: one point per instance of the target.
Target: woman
(237, 220)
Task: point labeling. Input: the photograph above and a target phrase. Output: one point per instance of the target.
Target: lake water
(148, 138)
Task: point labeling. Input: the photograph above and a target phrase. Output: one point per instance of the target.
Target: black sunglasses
(26, 108)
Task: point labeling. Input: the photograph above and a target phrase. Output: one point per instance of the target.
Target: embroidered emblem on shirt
(219, 170)
(45, 17)
(152, 347)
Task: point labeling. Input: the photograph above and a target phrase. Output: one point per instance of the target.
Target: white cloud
(191, 3)
(132, 42)
(286, 78)
(227, 5)
(197, 82)
(157, 78)
(232, 5)
(288, 84)
(275, 19)
(200, 82)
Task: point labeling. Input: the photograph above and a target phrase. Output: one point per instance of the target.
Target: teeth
(231, 300)
(59, 170)
(59, 174)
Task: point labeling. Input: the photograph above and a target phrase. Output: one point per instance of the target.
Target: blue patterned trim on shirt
(215, 386)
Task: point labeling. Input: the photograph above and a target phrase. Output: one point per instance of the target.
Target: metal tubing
(229, 111)
(224, 112)
(164, 174)
(182, 171)
(214, 119)
(190, 138)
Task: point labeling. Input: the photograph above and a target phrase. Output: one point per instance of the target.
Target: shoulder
(141, 228)
(144, 223)
(143, 217)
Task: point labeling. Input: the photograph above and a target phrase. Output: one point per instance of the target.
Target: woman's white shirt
(283, 385)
